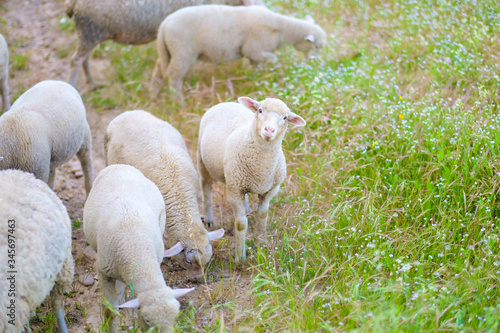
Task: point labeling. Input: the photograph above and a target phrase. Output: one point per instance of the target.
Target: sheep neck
(291, 29)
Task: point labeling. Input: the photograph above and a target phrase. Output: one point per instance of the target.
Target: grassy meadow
(388, 220)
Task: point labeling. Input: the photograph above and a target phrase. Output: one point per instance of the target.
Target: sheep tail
(163, 54)
(70, 6)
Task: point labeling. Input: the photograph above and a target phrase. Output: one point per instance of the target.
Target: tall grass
(388, 220)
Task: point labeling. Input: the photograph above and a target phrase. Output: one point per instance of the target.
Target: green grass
(389, 219)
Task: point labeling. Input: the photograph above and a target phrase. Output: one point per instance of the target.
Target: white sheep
(240, 145)
(123, 220)
(4, 73)
(218, 33)
(35, 242)
(158, 150)
(131, 22)
(44, 128)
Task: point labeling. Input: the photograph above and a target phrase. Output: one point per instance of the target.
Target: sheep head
(271, 117)
(157, 308)
(194, 258)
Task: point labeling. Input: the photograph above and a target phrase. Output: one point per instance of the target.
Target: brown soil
(32, 31)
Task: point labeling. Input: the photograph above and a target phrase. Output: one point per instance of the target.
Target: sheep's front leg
(5, 94)
(206, 185)
(237, 201)
(80, 56)
(178, 67)
(156, 80)
(109, 292)
(262, 213)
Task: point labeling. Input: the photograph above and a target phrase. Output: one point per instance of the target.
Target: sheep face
(193, 259)
(158, 309)
(271, 117)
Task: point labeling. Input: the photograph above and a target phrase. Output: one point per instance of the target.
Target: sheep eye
(285, 117)
(260, 110)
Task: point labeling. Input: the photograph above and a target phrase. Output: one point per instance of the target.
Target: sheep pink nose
(269, 129)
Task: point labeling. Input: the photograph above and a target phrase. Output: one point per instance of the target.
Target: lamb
(36, 241)
(45, 127)
(158, 150)
(4, 73)
(123, 220)
(243, 150)
(132, 22)
(217, 33)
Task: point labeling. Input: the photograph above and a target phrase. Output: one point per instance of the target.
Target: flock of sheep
(145, 200)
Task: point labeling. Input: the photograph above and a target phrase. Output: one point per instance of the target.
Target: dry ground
(33, 33)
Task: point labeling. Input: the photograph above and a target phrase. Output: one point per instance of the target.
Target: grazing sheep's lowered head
(157, 308)
(271, 117)
(194, 258)
(313, 41)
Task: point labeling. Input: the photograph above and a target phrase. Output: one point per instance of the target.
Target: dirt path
(33, 33)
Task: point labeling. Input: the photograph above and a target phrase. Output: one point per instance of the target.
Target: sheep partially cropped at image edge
(217, 34)
(4, 73)
(240, 145)
(123, 221)
(35, 235)
(46, 127)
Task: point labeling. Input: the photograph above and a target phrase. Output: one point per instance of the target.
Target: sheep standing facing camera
(217, 34)
(125, 22)
(240, 145)
(35, 240)
(158, 150)
(123, 221)
(4, 73)
(46, 127)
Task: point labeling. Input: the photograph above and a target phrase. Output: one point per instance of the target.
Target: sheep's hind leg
(156, 80)
(237, 201)
(52, 177)
(177, 69)
(5, 94)
(90, 78)
(81, 54)
(63, 282)
(206, 184)
(262, 212)
(85, 157)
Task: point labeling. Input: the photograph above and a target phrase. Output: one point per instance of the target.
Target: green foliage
(18, 61)
(389, 219)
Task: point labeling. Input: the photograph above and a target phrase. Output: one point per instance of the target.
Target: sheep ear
(181, 292)
(296, 119)
(132, 304)
(213, 235)
(309, 18)
(249, 103)
(176, 249)
(310, 38)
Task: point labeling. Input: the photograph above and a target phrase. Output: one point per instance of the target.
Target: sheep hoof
(209, 224)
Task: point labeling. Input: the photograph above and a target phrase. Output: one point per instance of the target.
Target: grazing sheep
(35, 242)
(217, 33)
(158, 150)
(123, 220)
(131, 22)
(4, 73)
(240, 145)
(44, 128)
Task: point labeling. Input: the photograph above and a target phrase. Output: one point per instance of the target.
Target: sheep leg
(237, 202)
(206, 184)
(63, 282)
(177, 69)
(109, 292)
(88, 73)
(156, 80)
(85, 157)
(247, 206)
(262, 212)
(52, 177)
(5, 94)
(77, 60)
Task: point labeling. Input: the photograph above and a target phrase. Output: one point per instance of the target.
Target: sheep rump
(45, 128)
(43, 258)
